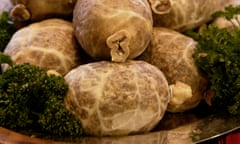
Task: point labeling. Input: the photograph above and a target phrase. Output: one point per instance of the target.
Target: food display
(35, 10)
(117, 98)
(113, 30)
(90, 68)
(172, 52)
(189, 14)
(33, 99)
(50, 44)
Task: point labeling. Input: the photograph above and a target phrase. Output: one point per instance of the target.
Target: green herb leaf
(5, 59)
(218, 54)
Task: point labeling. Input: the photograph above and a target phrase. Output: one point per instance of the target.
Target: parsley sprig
(218, 54)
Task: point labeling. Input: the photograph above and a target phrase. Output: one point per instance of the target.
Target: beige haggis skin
(188, 14)
(117, 98)
(113, 30)
(49, 44)
(36, 10)
(5, 6)
(172, 52)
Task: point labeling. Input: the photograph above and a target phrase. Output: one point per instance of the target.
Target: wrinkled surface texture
(102, 26)
(172, 53)
(117, 98)
(49, 44)
(188, 14)
(42, 9)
